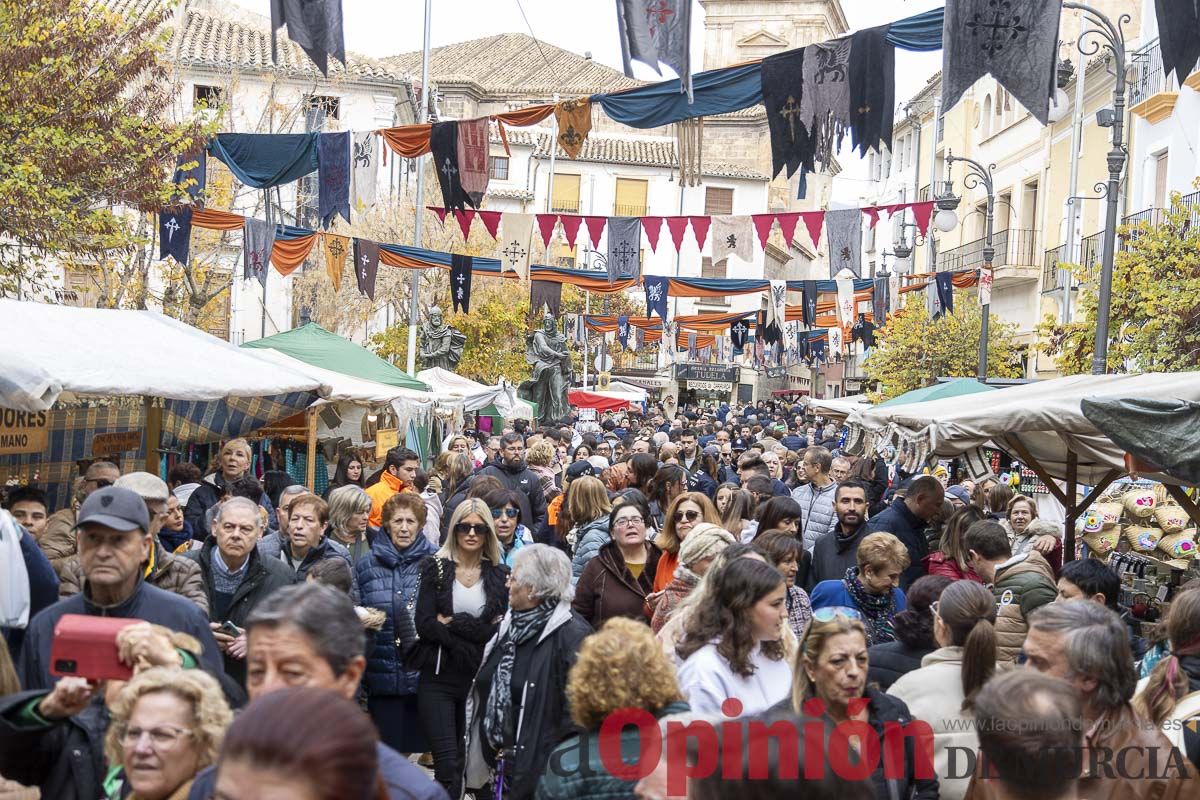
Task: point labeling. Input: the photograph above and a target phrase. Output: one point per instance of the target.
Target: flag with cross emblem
(516, 244)
(782, 87)
(366, 265)
(460, 282)
(175, 233)
(336, 248)
(443, 145)
(739, 331)
(624, 248)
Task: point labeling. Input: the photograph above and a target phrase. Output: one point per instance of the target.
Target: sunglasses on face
(470, 529)
(690, 516)
(497, 513)
(101, 483)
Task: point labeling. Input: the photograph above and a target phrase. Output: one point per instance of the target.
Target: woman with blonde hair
(872, 588)
(738, 516)
(682, 514)
(588, 505)
(167, 725)
(233, 462)
(349, 508)
(542, 459)
(462, 596)
(619, 667)
(1171, 695)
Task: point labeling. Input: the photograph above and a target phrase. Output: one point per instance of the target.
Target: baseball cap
(580, 469)
(711, 450)
(114, 507)
(960, 493)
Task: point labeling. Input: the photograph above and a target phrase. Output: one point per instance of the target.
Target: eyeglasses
(160, 738)
(830, 613)
(470, 529)
(627, 521)
(101, 483)
(690, 516)
(497, 513)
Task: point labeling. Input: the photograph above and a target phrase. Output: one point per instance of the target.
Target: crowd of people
(471, 628)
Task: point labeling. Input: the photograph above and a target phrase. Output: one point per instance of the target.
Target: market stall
(601, 401)
(955, 387)
(836, 408)
(499, 400)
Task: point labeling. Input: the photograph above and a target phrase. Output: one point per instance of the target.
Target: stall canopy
(500, 400)
(955, 387)
(314, 345)
(837, 407)
(114, 352)
(601, 401)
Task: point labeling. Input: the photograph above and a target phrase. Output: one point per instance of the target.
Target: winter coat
(833, 554)
(820, 517)
(1023, 585)
(58, 540)
(933, 693)
(147, 602)
(524, 482)
(834, 594)
(889, 661)
(65, 758)
(540, 711)
(588, 541)
(906, 526)
(608, 589)
(567, 778)
(938, 563)
(43, 590)
(380, 492)
(271, 547)
(207, 495)
(261, 577)
(169, 572)
(451, 652)
(388, 579)
(521, 537)
(665, 601)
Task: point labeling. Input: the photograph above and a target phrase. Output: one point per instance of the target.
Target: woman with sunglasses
(831, 673)
(617, 581)
(506, 516)
(684, 513)
(462, 596)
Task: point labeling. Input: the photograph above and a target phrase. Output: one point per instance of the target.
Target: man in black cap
(114, 546)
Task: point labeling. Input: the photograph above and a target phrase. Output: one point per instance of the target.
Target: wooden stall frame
(153, 413)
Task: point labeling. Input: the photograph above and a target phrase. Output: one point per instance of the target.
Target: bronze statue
(546, 351)
(441, 345)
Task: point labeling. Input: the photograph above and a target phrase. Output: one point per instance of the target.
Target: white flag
(732, 235)
(985, 287)
(835, 341)
(515, 244)
(364, 172)
(777, 304)
(845, 301)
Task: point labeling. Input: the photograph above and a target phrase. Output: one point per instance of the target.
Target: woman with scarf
(1170, 697)
(696, 555)
(871, 588)
(517, 709)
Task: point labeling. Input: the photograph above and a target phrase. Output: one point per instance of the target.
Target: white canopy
(626, 390)
(54, 349)
(838, 407)
(346, 388)
(1044, 418)
(477, 396)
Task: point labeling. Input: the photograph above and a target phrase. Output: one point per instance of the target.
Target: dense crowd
(585, 610)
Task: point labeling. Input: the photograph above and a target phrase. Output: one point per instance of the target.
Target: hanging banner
(985, 286)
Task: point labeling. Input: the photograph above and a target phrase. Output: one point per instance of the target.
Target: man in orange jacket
(399, 472)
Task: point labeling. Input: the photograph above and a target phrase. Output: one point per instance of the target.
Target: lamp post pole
(414, 304)
(1112, 37)
(979, 175)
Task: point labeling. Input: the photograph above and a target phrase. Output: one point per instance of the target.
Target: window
(206, 96)
(631, 198)
(564, 198)
(498, 167)
(330, 107)
(564, 255)
(1029, 206)
(987, 116)
(1160, 179)
(718, 201)
(710, 270)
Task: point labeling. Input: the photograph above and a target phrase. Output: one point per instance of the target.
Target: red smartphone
(86, 647)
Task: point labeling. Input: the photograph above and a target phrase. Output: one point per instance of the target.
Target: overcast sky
(379, 29)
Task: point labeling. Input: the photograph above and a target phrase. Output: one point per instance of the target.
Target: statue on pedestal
(546, 351)
(441, 346)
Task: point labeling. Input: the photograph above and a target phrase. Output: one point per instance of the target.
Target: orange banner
(412, 141)
(288, 254)
(215, 220)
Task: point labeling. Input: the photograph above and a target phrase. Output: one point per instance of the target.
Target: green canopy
(314, 345)
(957, 387)
(492, 411)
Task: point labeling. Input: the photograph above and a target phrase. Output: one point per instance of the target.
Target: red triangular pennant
(465, 218)
(872, 213)
(441, 213)
(893, 208)
(570, 225)
(787, 225)
(653, 228)
(677, 225)
(595, 226)
(922, 213)
(814, 221)
(545, 223)
(491, 221)
(700, 227)
(762, 226)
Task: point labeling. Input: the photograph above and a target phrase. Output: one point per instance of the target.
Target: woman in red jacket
(950, 559)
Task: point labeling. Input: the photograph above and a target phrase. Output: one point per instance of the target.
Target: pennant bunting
(258, 240)
(366, 265)
(676, 226)
(545, 223)
(465, 218)
(335, 248)
(844, 229)
(570, 226)
(732, 236)
(460, 281)
(491, 222)
(595, 227)
(814, 221)
(315, 25)
(653, 228)
(333, 176)
(845, 301)
(441, 214)
(175, 233)
(517, 241)
(624, 259)
(922, 212)
(545, 297)
(473, 158)
(762, 226)
(656, 296)
(700, 229)
(364, 170)
(872, 215)
(787, 226)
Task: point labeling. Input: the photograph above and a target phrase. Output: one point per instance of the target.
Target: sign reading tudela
(23, 432)
(706, 372)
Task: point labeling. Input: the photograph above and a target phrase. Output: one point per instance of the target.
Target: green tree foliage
(914, 351)
(85, 128)
(1154, 319)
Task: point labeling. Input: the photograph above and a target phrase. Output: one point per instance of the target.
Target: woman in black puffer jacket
(914, 634)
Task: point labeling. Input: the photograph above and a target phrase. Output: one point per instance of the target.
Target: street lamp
(1112, 38)
(977, 175)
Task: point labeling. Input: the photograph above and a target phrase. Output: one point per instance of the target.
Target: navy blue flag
(460, 281)
(809, 290)
(333, 171)
(817, 348)
(175, 233)
(656, 296)
(315, 25)
(882, 301)
(443, 145)
(191, 175)
(366, 265)
(623, 331)
(945, 291)
(739, 331)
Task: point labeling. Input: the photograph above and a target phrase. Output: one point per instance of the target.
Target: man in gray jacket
(816, 496)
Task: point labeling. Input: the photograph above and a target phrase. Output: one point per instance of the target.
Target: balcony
(1152, 95)
(1051, 278)
(939, 189)
(629, 211)
(642, 363)
(1015, 261)
(560, 205)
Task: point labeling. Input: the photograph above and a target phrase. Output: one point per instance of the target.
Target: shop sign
(111, 444)
(704, 372)
(710, 386)
(386, 439)
(23, 431)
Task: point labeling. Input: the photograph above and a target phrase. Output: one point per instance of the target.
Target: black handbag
(408, 641)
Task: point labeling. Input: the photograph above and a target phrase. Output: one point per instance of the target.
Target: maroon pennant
(491, 221)
(545, 224)
(872, 213)
(814, 221)
(653, 228)
(787, 225)
(922, 212)
(762, 226)
(465, 218)
(595, 226)
(700, 227)
(441, 213)
(570, 226)
(677, 225)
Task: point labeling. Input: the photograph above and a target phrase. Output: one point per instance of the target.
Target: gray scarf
(498, 716)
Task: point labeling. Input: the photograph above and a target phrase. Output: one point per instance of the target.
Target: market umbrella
(957, 387)
(1164, 434)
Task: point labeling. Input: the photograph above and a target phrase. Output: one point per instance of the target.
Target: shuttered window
(631, 198)
(718, 201)
(565, 197)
